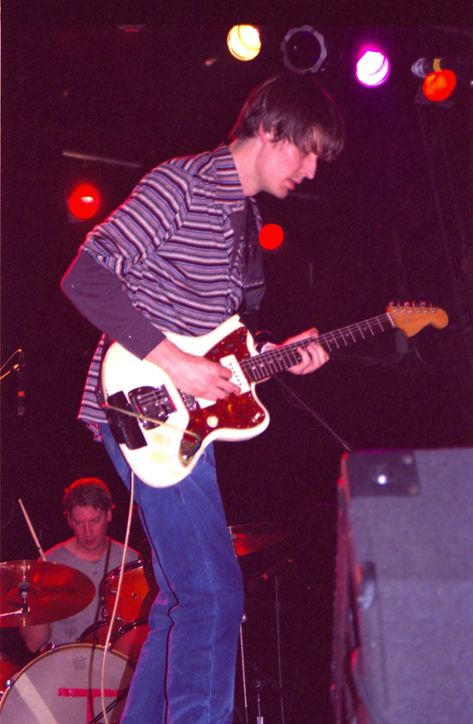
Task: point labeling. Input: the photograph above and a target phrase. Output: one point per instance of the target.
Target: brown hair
(87, 491)
(296, 108)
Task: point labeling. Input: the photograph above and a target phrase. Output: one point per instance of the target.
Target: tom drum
(127, 639)
(139, 589)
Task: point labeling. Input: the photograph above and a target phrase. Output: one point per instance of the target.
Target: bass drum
(7, 669)
(127, 639)
(62, 686)
(138, 592)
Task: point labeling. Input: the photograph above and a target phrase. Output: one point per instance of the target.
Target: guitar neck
(269, 363)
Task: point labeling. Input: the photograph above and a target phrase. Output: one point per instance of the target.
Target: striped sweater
(166, 259)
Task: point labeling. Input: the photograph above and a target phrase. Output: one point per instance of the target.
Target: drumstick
(32, 531)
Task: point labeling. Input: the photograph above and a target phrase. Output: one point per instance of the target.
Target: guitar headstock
(411, 318)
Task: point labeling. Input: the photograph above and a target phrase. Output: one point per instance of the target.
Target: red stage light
(271, 236)
(439, 85)
(84, 201)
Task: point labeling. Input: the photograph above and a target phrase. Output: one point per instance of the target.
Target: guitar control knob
(212, 421)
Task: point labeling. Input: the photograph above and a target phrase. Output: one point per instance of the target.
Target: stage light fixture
(304, 49)
(372, 67)
(439, 85)
(84, 201)
(244, 42)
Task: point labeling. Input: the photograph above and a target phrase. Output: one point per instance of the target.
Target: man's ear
(109, 515)
(264, 136)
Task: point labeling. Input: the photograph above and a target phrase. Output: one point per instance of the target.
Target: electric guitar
(162, 431)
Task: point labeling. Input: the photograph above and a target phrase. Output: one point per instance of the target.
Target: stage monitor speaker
(403, 630)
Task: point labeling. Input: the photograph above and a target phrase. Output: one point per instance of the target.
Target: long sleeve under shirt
(165, 260)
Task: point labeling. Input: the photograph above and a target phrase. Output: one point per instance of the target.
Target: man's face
(281, 166)
(89, 526)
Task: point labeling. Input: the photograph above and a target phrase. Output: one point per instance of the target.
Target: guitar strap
(247, 249)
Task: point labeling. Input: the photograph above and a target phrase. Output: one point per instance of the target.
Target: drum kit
(64, 684)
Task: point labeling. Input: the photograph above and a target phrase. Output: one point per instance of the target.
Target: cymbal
(253, 537)
(52, 592)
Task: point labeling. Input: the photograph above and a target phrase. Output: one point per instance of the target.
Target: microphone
(424, 66)
(20, 392)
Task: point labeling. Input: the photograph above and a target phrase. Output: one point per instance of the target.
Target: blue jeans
(186, 669)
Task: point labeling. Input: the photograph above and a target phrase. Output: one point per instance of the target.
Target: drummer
(88, 505)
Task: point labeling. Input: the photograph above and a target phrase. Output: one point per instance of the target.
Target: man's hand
(194, 375)
(313, 355)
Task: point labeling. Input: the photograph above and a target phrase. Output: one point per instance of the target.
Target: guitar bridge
(151, 402)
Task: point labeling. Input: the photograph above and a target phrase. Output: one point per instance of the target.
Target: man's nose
(310, 165)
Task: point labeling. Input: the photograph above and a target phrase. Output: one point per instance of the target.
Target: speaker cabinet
(403, 632)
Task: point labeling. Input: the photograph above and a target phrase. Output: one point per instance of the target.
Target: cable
(147, 418)
(344, 444)
(117, 597)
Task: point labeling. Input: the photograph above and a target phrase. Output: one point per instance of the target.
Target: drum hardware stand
(23, 589)
(261, 678)
(277, 608)
(243, 673)
(24, 586)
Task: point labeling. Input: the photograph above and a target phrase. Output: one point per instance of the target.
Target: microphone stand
(15, 368)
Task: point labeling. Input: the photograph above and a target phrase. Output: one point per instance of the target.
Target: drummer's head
(87, 492)
(88, 507)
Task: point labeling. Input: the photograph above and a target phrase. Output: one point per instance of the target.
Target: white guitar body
(173, 447)
(163, 432)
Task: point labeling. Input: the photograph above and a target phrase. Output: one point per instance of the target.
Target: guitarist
(181, 254)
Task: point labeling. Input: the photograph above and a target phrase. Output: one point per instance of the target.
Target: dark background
(389, 220)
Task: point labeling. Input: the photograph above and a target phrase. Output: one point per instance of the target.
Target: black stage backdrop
(387, 221)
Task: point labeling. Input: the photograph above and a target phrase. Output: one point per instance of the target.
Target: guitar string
(255, 363)
(340, 335)
(273, 355)
(289, 354)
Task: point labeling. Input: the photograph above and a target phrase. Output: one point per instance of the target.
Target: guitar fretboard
(269, 363)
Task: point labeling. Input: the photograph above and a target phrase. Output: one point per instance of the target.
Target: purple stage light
(372, 68)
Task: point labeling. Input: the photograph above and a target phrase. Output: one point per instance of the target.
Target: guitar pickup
(151, 402)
